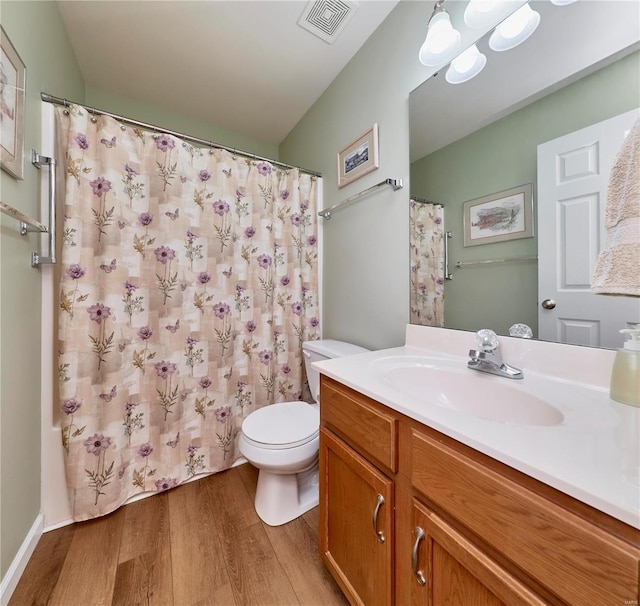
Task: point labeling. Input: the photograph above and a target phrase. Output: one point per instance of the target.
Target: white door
(573, 175)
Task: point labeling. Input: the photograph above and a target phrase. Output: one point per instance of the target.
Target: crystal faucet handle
(487, 340)
(521, 330)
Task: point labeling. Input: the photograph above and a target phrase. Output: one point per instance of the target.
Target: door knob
(548, 304)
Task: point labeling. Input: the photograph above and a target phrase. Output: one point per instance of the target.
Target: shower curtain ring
(93, 116)
(122, 126)
(65, 111)
(211, 148)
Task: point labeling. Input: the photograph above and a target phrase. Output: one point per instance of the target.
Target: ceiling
(243, 65)
(570, 42)
(248, 67)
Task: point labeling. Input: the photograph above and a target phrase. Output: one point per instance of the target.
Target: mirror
(479, 138)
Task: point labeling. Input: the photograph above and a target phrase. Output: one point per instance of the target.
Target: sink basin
(469, 392)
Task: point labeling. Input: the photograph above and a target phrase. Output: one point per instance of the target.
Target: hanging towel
(617, 271)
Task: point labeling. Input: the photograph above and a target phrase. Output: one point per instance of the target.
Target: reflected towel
(617, 271)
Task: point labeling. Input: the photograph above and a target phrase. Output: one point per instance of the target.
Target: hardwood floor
(201, 544)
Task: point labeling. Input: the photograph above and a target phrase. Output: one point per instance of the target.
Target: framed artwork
(359, 157)
(506, 215)
(12, 85)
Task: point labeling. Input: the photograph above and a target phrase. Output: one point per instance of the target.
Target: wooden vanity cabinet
(489, 535)
(357, 503)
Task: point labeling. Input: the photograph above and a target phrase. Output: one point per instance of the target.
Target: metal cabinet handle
(379, 533)
(548, 304)
(414, 557)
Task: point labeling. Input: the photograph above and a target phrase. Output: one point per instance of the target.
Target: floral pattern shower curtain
(426, 242)
(189, 282)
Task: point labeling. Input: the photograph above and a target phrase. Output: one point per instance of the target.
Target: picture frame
(359, 157)
(12, 99)
(505, 215)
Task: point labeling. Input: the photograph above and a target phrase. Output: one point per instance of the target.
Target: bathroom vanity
(435, 504)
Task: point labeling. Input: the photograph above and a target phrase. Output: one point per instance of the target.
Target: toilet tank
(324, 349)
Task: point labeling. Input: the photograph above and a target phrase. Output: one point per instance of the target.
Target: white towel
(617, 271)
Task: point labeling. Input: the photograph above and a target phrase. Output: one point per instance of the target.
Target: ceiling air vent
(327, 18)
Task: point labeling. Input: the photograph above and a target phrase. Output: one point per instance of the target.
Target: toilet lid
(290, 423)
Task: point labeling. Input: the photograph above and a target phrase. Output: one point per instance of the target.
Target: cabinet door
(356, 523)
(449, 570)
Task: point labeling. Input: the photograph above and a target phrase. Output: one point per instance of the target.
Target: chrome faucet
(487, 358)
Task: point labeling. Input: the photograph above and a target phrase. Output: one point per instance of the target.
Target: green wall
(37, 33)
(365, 245)
(501, 156)
(365, 256)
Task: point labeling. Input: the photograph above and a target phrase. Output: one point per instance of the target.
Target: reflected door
(573, 175)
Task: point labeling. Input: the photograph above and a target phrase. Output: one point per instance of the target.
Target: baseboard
(57, 525)
(10, 580)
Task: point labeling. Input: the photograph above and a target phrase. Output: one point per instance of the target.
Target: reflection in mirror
(427, 252)
(475, 139)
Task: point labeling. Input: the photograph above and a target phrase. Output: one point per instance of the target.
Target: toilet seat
(283, 425)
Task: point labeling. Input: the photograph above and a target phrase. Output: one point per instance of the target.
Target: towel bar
(396, 184)
(39, 161)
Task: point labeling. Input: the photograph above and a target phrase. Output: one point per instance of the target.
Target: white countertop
(593, 455)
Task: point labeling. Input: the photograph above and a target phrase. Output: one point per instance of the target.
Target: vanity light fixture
(442, 40)
(467, 65)
(515, 29)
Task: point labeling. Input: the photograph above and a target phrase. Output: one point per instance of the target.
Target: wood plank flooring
(200, 544)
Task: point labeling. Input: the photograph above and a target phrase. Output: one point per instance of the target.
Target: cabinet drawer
(360, 422)
(576, 560)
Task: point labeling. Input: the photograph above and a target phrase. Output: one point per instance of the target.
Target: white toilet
(281, 440)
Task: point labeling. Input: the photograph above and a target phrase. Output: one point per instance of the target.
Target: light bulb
(513, 25)
(441, 42)
(467, 65)
(481, 13)
(515, 29)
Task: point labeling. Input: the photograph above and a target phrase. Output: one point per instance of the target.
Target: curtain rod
(60, 101)
(424, 201)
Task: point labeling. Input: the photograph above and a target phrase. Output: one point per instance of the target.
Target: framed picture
(12, 84)
(359, 157)
(506, 215)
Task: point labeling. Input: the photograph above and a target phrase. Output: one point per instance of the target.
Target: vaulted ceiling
(244, 65)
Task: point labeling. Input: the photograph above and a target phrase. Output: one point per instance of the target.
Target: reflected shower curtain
(189, 282)
(426, 242)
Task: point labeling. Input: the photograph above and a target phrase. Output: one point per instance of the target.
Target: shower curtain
(426, 242)
(188, 284)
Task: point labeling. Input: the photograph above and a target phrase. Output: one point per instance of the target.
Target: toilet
(282, 440)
